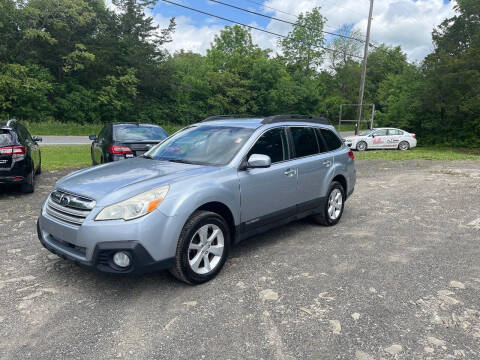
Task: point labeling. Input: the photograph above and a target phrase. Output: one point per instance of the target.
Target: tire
(39, 169)
(404, 145)
(29, 185)
(361, 146)
(195, 244)
(93, 159)
(327, 217)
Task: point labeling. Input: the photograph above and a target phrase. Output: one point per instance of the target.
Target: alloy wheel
(206, 249)
(335, 202)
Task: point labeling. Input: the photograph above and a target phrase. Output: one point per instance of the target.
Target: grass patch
(56, 157)
(71, 129)
(420, 153)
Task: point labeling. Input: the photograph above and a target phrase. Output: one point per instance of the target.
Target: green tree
(304, 45)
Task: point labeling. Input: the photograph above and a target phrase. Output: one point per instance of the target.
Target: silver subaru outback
(184, 203)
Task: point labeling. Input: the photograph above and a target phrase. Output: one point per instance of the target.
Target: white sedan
(382, 138)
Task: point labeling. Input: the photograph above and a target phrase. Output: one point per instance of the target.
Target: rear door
(393, 138)
(312, 160)
(32, 145)
(268, 194)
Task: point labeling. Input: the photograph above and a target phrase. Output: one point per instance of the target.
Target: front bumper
(101, 257)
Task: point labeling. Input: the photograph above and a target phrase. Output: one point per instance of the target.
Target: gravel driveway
(397, 278)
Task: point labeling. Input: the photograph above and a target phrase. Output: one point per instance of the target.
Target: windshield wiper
(148, 157)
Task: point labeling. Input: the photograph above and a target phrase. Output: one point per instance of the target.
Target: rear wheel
(404, 145)
(28, 186)
(202, 248)
(333, 208)
(362, 146)
(39, 169)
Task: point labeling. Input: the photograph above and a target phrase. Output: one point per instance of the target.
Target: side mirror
(93, 137)
(372, 135)
(37, 138)
(259, 161)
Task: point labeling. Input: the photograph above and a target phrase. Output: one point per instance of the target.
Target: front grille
(69, 208)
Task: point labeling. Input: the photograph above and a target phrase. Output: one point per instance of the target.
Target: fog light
(121, 259)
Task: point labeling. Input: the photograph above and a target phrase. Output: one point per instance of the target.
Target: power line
(281, 20)
(293, 15)
(242, 24)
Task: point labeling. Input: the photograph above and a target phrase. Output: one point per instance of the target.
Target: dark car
(20, 157)
(125, 140)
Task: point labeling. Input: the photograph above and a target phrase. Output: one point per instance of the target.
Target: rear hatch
(6, 143)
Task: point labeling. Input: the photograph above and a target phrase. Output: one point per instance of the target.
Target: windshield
(206, 144)
(365, 133)
(131, 132)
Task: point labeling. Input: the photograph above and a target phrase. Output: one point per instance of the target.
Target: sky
(408, 23)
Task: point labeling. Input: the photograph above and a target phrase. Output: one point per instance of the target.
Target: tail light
(350, 153)
(120, 150)
(414, 136)
(14, 151)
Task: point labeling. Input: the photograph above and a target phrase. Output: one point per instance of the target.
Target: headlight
(134, 207)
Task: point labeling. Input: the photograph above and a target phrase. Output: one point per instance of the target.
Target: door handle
(290, 172)
(327, 163)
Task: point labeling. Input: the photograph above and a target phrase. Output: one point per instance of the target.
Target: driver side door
(379, 139)
(268, 194)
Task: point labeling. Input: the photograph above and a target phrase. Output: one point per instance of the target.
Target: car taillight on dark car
(120, 150)
(14, 151)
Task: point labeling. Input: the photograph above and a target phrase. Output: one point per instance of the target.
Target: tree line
(78, 61)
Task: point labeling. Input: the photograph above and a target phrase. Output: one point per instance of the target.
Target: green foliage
(55, 157)
(303, 45)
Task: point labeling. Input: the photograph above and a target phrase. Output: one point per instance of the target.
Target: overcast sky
(408, 23)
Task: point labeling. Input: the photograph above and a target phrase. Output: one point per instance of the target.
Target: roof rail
(295, 117)
(224, 117)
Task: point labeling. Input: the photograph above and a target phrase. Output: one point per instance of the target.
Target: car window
(382, 132)
(138, 133)
(272, 143)
(332, 140)
(5, 138)
(304, 140)
(321, 141)
(102, 134)
(26, 133)
(394, 132)
(205, 144)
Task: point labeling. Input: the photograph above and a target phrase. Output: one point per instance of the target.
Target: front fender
(183, 200)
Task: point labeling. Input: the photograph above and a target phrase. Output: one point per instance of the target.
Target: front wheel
(202, 248)
(362, 146)
(404, 145)
(333, 209)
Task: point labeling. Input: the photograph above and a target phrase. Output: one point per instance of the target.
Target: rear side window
(332, 140)
(273, 143)
(5, 138)
(394, 132)
(305, 141)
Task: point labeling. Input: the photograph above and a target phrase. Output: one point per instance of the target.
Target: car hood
(98, 181)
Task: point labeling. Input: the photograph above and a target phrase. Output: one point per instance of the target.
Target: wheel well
(222, 210)
(341, 179)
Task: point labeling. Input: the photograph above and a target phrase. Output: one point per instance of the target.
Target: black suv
(20, 157)
(120, 141)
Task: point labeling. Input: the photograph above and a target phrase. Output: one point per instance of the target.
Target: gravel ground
(397, 278)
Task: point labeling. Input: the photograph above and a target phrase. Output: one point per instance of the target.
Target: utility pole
(364, 70)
